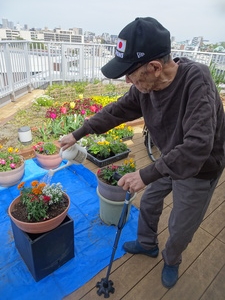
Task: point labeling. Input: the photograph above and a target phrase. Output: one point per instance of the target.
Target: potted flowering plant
(47, 155)
(46, 148)
(110, 195)
(103, 150)
(106, 174)
(43, 232)
(39, 207)
(121, 131)
(11, 166)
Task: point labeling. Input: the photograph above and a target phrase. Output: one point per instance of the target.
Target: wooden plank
(150, 286)
(214, 223)
(217, 199)
(221, 236)
(195, 281)
(216, 290)
(90, 285)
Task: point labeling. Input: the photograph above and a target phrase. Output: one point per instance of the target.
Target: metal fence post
(9, 72)
(27, 67)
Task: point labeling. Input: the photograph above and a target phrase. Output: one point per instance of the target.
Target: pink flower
(63, 110)
(53, 115)
(93, 108)
(83, 112)
(2, 162)
(12, 166)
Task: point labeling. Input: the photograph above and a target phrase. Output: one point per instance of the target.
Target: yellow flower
(72, 104)
(10, 149)
(1, 146)
(80, 96)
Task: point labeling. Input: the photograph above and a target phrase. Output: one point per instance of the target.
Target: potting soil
(93, 239)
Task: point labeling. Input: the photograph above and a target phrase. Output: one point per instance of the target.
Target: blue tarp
(93, 239)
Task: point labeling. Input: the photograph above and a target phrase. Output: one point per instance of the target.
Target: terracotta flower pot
(38, 227)
(27, 153)
(12, 177)
(48, 161)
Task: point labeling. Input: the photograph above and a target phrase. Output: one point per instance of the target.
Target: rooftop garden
(61, 110)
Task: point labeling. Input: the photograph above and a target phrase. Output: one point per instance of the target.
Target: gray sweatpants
(191, 198)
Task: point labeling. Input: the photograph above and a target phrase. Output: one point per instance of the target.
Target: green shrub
(217, 75)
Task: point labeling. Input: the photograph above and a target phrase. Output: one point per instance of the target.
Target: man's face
(143, 78)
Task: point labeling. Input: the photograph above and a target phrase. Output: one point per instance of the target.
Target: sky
(183, 18)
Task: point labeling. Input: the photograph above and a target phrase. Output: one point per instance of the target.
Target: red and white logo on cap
(121, 45)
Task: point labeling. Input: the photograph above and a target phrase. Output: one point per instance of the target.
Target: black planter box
(107, 161)
(46, 252)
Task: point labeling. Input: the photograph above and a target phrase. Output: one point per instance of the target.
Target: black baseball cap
(142, 40)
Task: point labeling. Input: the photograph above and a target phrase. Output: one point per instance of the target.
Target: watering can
(75, 154)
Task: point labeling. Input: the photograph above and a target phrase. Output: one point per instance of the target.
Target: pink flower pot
(12, 177)
(48, 161)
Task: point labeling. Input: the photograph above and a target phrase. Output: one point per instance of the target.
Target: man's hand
(131, 182)
(67, 141)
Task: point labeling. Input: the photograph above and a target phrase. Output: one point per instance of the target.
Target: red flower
(46, 198)
(114, 167)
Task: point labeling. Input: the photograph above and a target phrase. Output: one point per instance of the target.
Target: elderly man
(184, 114)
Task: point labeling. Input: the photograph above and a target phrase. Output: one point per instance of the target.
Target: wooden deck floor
(202, 272)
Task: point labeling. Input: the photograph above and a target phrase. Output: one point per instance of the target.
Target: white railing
(29, 65)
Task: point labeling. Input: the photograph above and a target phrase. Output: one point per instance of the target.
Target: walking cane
(105, 286)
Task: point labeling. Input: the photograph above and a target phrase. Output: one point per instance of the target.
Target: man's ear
(155, 66)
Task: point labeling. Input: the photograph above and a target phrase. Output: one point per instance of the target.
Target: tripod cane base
(105, 287)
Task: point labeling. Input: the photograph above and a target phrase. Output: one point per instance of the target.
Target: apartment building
(57, 35)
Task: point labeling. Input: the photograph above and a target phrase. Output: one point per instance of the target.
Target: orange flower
(20, 185)
(34, 183)
(36, 191)
(42, 185)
